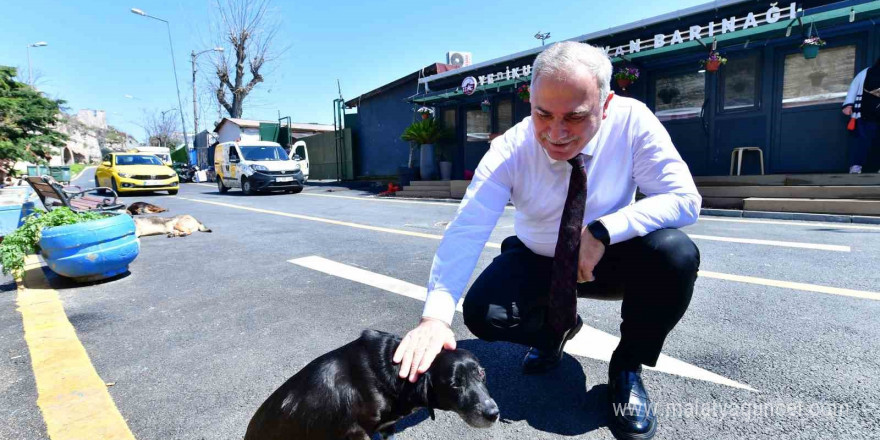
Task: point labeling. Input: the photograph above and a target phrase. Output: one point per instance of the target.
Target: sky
(101, 56)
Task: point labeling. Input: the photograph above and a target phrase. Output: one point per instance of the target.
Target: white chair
(736, 156)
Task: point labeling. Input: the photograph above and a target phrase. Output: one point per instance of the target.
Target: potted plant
(626, 76)
(84, 246)
(424, 134)
(486, 106)
(811, 46)
(524, 92)
(445, 163)
(426, 112)
(713, 62)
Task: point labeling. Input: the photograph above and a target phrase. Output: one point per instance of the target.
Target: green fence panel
(269, 131)
(323, 161)
(179, 155)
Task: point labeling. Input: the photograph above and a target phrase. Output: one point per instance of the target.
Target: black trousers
(654, 275)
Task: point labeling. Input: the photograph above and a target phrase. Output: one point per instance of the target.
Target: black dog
(353, 392)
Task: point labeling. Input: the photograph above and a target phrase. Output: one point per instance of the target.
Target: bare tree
(163, 128)
(247, 29)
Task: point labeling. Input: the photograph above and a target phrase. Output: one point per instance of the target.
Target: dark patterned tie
(562, 311)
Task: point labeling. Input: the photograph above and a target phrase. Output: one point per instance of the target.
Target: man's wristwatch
(599, 232)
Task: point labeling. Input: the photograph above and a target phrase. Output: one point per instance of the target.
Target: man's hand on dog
(421, 345)
(590, 253)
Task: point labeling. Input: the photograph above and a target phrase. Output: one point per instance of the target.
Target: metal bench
(52, 194)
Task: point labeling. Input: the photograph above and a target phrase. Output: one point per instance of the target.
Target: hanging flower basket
(713, 62)
(486, 106)
(524, 92)
(626, 76)
(811, 47)
(426, 112)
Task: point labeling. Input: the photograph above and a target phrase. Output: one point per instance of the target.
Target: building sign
(469, 85)
(524, 72)
(696, 32)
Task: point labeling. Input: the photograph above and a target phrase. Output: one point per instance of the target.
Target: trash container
(60, 173)
(14, 207)
(37, 170)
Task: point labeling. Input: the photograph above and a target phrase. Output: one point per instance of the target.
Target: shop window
(679, 96)
(821, 80)
(504, 115)
(477, 125)
(741, 83)
(449, 119)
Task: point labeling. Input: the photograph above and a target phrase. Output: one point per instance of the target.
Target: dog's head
(456, 382)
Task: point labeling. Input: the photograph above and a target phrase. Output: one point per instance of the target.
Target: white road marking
(322, 220)
(729, 277)
(589, 342)
(702, 218)
(790, 223)
(864, 294)
(362, 276)
(791, 244)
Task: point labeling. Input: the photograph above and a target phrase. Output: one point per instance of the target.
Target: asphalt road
(205, 327)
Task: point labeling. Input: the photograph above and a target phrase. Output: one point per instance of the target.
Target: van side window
(301, 151)
(233, 153)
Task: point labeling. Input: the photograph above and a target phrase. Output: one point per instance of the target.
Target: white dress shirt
(631, 149)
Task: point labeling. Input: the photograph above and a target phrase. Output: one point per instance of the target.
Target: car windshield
(145, 159)
(263, 153)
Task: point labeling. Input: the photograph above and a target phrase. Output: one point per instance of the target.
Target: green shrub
(26, 239)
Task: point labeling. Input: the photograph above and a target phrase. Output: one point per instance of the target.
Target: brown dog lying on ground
(353, 392)
(177, 226)
(139, 208)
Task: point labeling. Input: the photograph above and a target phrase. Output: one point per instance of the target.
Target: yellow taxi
(133, 172)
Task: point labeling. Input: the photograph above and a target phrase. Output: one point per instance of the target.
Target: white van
(299, 152)
(163, 153)
(256, 166)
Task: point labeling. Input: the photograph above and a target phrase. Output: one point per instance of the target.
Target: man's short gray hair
(561, 58)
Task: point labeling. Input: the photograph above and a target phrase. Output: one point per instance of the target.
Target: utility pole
(195, 101)
(173, 67)
(195, 68)
(30, 73)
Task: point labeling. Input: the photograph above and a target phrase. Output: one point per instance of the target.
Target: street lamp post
(29, 46)
(163, 124)
(173, 65)
(195, 102)
(542, 37)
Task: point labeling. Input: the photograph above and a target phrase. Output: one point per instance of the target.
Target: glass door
(476, 143)
(741, 119)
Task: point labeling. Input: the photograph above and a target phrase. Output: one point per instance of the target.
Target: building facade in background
(767, 95)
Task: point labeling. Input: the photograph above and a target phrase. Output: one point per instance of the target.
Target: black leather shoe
(632, 415)
(539, 361)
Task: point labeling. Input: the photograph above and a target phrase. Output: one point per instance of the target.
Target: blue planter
(426, 161)
(811, 51)
(93, 250)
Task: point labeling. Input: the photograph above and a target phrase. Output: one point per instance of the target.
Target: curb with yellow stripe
(70, 394)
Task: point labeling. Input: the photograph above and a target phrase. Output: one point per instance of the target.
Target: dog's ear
(424, 388)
